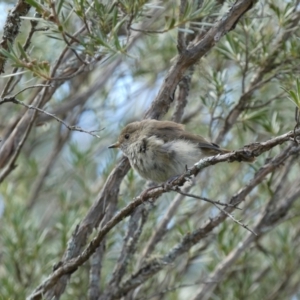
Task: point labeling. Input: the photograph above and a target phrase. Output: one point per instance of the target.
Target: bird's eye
(126, 136)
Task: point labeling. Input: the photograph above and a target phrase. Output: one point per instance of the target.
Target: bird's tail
(242, 156)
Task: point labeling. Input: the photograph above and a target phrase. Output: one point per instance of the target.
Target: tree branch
(192, 54)
(12, 28)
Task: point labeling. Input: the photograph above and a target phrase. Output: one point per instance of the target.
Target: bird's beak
(115, 145)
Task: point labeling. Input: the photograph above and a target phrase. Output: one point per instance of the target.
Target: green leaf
(117, 42)
(22, 52)
(60, 5)
(294, 96)
(34, 4)
(172, 23)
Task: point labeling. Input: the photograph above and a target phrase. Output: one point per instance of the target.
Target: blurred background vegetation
(117, 57)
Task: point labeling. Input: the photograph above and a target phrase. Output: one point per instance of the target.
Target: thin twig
(52, 4)
(11, 165)
(149, 31)
(63, 53)
(177, 189)
(8, 98)
(297, 119)
(234, 219)
(73, 127)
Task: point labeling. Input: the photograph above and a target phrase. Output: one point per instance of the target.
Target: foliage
(96, 66)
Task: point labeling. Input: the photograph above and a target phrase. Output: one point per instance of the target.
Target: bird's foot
(174, 182)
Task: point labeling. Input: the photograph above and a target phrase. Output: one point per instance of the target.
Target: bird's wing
(205, 146)
(165, 130)
(169, 131)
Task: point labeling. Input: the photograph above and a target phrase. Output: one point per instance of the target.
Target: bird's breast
(157, 160)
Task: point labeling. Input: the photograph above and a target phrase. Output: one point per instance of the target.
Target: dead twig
(70, 127)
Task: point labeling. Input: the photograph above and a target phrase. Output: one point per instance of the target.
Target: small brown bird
(159, 150)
